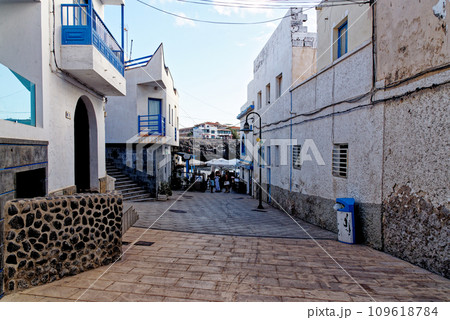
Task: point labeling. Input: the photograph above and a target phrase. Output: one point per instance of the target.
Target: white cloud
(183, 22)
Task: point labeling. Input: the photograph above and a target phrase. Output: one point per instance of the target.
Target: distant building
(142, 127)
(211, 130)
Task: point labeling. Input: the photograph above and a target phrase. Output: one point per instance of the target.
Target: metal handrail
(139, 62)
(152, 124)
(106, 35)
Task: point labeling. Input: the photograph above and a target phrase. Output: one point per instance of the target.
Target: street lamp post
(246, 130)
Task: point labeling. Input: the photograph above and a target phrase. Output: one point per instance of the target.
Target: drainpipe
(290, 159)
(92, 21)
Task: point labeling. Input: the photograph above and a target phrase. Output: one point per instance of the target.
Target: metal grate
(296, 160)
(144, 243)
(340, 160)
(139, 243)
(177, 211)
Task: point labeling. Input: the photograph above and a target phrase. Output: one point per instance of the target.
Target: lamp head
(246, 128)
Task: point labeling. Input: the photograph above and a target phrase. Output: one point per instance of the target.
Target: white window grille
(340, 160)
(296, 160)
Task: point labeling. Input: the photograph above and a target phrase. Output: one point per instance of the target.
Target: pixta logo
(282, 150)
(148, 153)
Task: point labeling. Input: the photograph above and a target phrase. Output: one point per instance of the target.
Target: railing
(136, 63)
(152, 125)
(79, 27)
(106, 44)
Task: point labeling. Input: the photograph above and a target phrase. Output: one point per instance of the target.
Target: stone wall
(416, 205)
(319, 211)
(417, 231)
(47, 239)
(208, 149)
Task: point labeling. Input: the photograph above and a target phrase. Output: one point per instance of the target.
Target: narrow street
(216, 247)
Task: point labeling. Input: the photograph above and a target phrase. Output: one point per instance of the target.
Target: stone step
(132, 193)
(143, 197)
(129, 189)
(127, 186)
(121, 179)
(113, 172)
(118, 176)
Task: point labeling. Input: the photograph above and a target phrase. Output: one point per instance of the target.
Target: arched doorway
(82, 147)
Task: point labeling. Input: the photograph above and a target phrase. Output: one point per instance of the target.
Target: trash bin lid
(348, 203)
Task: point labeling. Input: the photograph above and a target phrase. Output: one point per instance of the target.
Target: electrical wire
(210, 21)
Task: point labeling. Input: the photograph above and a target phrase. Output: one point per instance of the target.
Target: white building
(142, 127)
(58, 61)
(287, 58)
(371, 124)
(211, 130)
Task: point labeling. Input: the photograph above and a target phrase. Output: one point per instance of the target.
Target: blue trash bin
(346, 219)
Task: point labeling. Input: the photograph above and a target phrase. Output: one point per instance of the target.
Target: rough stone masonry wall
(47, 239)
(416, 205)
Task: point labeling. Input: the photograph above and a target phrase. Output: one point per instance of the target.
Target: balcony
(152, 125)
(89, 50)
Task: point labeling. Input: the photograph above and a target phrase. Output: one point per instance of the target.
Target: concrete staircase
(130, 190)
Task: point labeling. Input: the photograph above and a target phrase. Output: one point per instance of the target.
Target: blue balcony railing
(136, 63)
(152, 125)
(81, 25)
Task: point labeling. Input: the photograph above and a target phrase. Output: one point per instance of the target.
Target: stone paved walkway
(223, 214)
(209, 258)
(192, 267)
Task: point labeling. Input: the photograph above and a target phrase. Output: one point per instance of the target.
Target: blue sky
(211, 64)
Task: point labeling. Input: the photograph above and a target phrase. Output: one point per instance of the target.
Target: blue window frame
(17, 97)
(268, 160)
(342, 40)
(243, 145)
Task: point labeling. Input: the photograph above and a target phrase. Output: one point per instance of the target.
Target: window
(279, 80)
(340, 160)
(277, 156)
(342, 39)
(170, 114)
(17, 97)
(268, 160)
(243, 145)
(296, 160)
(259, 100)
(268, 93)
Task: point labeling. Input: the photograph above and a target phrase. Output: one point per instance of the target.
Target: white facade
(31, 45)
(286, 59)
(133, 120)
